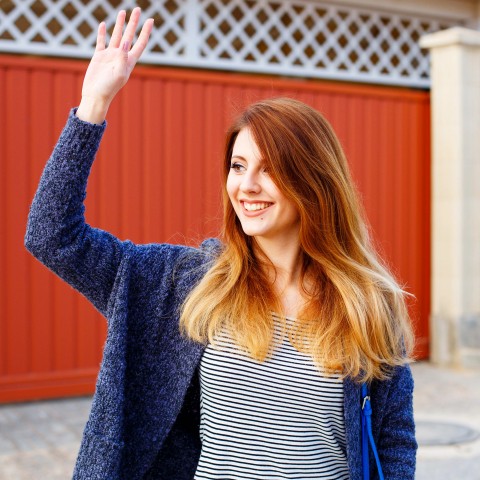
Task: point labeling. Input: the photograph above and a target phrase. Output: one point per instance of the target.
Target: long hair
(355, 320)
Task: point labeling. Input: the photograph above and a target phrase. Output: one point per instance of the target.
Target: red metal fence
(156, 179)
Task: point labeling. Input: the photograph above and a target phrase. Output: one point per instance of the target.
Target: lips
(254, 208)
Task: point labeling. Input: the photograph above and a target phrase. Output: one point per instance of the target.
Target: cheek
(231, 188)
(295, 215)
(291, 211)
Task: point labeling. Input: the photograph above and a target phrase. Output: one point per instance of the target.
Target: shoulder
(394, 392)
(173, 263)
(160, 276)
(400, 381)
(392, 399)
(165, 255)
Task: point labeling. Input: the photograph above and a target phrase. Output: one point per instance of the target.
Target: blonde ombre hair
(355, 320)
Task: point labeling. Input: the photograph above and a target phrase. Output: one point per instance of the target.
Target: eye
(237, 167)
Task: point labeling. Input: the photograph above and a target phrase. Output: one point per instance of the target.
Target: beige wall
(452, 9)
(455, 75)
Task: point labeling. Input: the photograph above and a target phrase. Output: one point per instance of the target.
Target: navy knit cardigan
(144, 421)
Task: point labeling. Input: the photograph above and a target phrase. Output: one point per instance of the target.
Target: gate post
(455, 96)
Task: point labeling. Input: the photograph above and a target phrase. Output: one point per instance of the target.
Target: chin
(256, 234)
(251, 233)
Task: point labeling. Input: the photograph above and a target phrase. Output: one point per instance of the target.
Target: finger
(142, 40)
(101, 34)
(131, 27)
(118, 29)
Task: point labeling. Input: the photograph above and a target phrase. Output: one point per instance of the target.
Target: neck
(285, 273)
(285, 258)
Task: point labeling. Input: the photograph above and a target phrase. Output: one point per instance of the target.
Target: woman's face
(261, 207)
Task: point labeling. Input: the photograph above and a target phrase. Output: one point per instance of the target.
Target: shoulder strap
(367, 435)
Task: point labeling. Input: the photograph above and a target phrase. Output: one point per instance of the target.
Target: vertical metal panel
(17, 337)
(40, 280)
(156, 179)
(3, 213)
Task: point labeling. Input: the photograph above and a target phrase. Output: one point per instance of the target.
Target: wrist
(92, 110)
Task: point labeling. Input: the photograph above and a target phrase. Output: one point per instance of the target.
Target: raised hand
(110, 67)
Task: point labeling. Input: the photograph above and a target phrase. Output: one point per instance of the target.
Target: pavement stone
(40, 440)
(448, 396)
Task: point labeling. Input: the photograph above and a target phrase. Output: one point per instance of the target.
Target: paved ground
(450, 397)
(40, 440)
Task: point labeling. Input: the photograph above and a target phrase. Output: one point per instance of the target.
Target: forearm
(62, 186)
(57, 234)
(93, 110)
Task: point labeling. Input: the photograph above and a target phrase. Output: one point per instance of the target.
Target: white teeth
(250, 207)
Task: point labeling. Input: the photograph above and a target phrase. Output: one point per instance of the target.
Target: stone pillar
(455, 100)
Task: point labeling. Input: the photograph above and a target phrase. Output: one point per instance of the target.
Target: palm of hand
(110, 67)
(107, 73)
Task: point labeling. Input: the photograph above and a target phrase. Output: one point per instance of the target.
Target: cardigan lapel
(352, 415)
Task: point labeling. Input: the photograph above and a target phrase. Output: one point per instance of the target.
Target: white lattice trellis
(289, 37)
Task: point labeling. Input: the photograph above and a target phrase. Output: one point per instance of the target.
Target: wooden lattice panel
(289, 37)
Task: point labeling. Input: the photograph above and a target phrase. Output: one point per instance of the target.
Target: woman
(242, 358)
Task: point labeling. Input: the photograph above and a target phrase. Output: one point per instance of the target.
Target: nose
(250, 182)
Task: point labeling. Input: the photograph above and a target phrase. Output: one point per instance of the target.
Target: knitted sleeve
(396, 441)
(57, 234)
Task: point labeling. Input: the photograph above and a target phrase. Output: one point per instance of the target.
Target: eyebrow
(244, 159)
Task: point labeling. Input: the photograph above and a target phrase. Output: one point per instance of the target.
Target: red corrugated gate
(156, 179)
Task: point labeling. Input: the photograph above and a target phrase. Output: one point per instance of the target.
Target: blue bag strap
(365, 462)
(367, 436)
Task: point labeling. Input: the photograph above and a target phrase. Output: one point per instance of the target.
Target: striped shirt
(277, 419)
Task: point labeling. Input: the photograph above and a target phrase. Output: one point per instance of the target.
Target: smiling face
(263, 210)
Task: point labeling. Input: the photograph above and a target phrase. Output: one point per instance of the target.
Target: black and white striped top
(278, 419)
